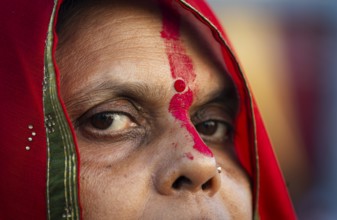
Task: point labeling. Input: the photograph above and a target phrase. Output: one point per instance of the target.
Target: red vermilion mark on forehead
(179, 85)
(181, 64)
(182, 70)
(179, 106)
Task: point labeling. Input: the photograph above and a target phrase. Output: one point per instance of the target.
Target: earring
(218, 169)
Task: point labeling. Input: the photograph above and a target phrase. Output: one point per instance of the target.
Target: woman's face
(152, 111)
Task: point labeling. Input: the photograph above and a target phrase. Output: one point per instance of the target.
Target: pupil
(102, 121)
(207, 127)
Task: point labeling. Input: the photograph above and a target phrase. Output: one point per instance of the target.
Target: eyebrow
(142, 93)
(96, 93)
(226, 96)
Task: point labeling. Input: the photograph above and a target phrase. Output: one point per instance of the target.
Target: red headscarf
(39, 160)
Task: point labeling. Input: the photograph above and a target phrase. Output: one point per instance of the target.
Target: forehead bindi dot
(179, 85)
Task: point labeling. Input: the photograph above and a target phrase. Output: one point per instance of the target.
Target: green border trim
(62, 170)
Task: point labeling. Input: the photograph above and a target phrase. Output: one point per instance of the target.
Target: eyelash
(101, 132)
(99, 123)
(216, 137)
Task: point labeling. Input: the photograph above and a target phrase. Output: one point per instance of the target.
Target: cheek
(235, 180)
(111, 189)
(241, 201)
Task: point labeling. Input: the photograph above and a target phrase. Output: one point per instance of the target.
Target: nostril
(184, 181)
(180, 182)
(207, 185)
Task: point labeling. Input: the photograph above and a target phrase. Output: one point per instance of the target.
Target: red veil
(39, 161)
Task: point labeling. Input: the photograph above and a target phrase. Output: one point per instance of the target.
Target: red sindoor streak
(182, 71)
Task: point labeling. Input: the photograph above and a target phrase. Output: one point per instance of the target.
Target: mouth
(187, 208)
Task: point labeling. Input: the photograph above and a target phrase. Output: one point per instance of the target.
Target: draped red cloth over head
(39, 165)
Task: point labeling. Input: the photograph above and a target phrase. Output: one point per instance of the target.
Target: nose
(184, 169)
(185, 175)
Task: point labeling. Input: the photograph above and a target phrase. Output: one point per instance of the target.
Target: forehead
(122, 40)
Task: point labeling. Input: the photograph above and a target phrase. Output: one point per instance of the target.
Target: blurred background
(288, 50)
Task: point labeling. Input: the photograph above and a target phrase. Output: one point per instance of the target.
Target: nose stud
(218, 169)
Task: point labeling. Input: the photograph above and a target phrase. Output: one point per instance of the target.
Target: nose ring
(218, 169)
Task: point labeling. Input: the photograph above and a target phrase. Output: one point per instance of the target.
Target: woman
(137, 117)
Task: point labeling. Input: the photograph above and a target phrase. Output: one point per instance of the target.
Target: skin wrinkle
(146, 204)
(109, 91)
(98, 11)
(105, 154)
(94, 53)
(117, 45)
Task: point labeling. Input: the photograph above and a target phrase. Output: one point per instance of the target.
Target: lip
(186, 207)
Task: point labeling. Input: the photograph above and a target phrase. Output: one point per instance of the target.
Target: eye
(207, 127)
(214, 130)
(111, 121)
